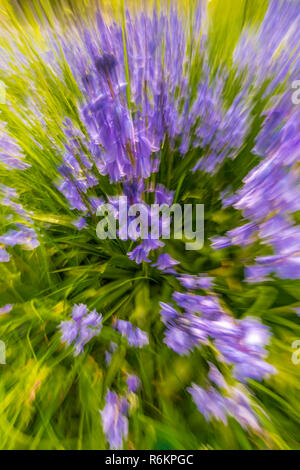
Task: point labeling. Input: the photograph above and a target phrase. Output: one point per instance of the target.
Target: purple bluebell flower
(109, 353)
(264, 45)
(239, 407)
(11, 156)
(257, 273)
(167, 312)
(79, 311)
(209, 402)
(8, 192)
(220, 242)
(240, 342)
(106, 63)
(209, 306)
(69, 331)
(80, 223)
(242, 235)
(184, 331)
(114, 420)
(17, 208)
(83, 326)
(245, 349)
(26, 237)
(216, 377)
(135, 337)
(133, 383)
(140, 253)
(237, 404)
(270, 195)
(4, 256)
(181, 338)
(165, 263)
(95, 203)
(195, 282)
(6, 309)
(163, 196)
(71, 193)
(286, 266)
